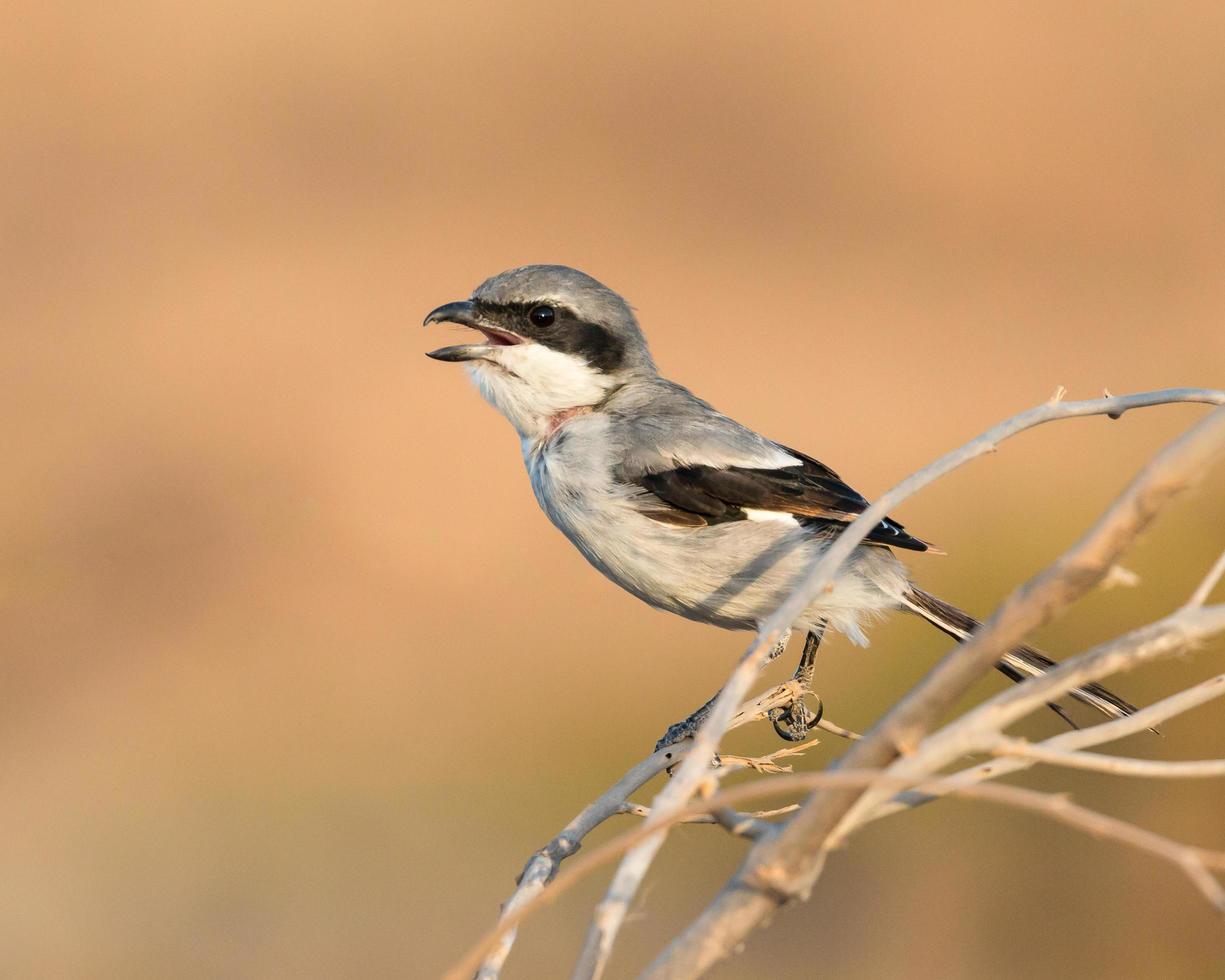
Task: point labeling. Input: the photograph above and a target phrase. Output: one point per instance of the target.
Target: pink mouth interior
(498, 338)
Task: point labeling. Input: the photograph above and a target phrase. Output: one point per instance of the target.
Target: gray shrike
(678, 504)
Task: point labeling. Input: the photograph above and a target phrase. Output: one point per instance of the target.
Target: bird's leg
(795, 720)
(689, 727)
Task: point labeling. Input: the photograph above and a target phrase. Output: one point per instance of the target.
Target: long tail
(1019, 662)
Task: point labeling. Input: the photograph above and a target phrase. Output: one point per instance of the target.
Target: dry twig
(786, 865)
(1191, 860)
(1110, 731)
(544, 863)
(1115, 765)
(785, 862)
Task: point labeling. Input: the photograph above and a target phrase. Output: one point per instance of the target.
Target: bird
(677, 503)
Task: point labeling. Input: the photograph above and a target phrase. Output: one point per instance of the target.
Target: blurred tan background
(280, 613)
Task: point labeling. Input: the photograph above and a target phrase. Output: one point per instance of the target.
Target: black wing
(697, 496)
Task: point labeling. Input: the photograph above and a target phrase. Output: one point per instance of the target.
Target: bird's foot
(682, 730)
(796, 720)
(687, 729)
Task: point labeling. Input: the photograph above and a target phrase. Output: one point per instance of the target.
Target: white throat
(530, 384)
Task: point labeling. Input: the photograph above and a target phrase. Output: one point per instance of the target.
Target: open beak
(466, 314)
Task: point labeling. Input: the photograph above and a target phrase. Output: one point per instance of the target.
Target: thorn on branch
(1120, 577)
(1200, 595)
(828, 726)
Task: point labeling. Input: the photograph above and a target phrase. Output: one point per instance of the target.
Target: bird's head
(554, 340)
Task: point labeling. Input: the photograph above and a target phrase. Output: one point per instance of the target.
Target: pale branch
(748, 825)
(1061, 809)
(829, 726)
(741, 824)
(693, 772)
(610, 913)
(1195, 862)
(979, 729)
(765, 763)
(1119, 577)
(1115, 765)
(1110, 731)
(544, 863)
(1170, 471)
(639, 810)
(1200, 596)
(786, 864)
(823, 571)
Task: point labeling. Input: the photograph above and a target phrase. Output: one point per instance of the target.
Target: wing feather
(812, 493)
(696, 467)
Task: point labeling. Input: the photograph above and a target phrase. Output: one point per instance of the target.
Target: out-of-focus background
(295, 675)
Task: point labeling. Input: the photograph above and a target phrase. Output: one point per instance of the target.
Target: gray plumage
(675, 502)
(731, 575)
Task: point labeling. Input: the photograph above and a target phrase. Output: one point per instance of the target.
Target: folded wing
(808, 491)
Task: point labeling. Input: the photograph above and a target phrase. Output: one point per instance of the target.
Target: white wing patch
(770, 515)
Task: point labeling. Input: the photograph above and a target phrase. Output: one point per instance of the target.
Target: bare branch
(1055, 807)
(1110, 731)
(1116, 765)
(610, 913)
(1201, 594)
(544, 863)
(978, 730)
(823, 571)
(787, 864)
(638, 810)
(1120, 578)
(829, 726)
(694, 770)
(1194, 862)
(741, 824)
(766, 764)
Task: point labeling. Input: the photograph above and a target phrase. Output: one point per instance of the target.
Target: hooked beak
(466, 314)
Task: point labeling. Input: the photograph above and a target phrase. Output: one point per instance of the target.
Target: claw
(794, 722)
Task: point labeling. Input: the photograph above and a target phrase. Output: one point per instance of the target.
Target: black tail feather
(1018, 663)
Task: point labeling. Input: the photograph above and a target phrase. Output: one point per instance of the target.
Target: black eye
(541, 316)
